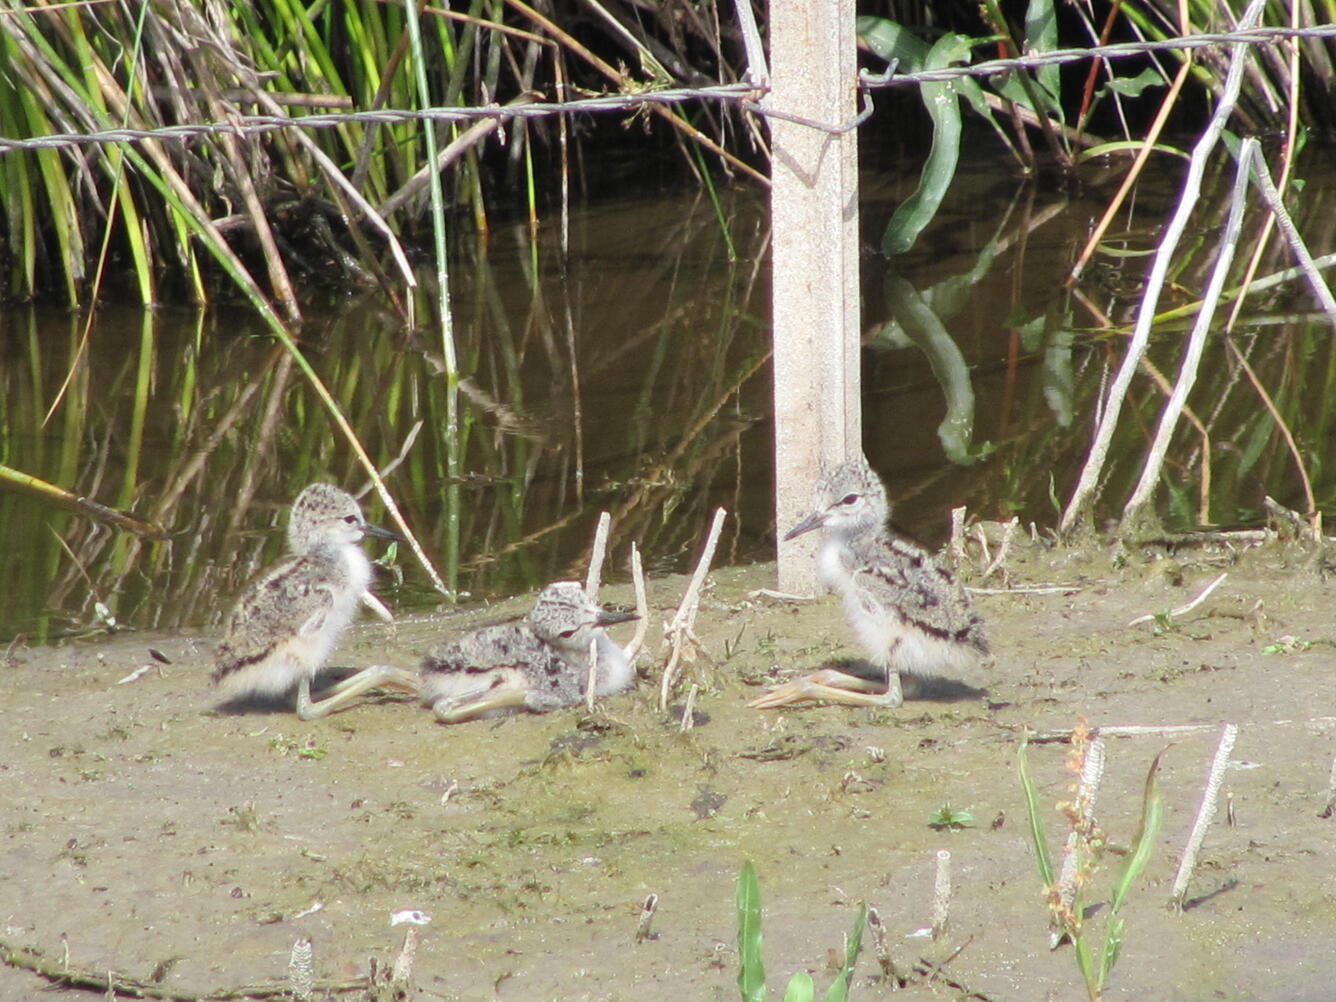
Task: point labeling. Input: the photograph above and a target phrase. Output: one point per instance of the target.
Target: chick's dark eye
(566, 634)
(849, 499)
(350, 519)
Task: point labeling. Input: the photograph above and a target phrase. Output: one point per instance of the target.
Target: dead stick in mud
(678, 632)
(941, 894)
(593, 579)
(884, 959)
(108, 983)
(643, 931)
(1183, 610)
(642, 608)
(594, 576)
(1159, 730)
(300, 978)
(1205, 813)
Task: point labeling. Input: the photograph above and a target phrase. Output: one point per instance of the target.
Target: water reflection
(631, 376)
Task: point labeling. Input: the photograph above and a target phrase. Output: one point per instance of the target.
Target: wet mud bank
(148, 835)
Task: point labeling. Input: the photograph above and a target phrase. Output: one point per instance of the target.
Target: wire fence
(747, 95)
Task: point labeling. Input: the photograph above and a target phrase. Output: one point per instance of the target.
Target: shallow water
(633, 375)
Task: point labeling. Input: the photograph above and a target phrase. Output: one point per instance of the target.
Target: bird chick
(539, 664)
(908, 611)
(284, 626)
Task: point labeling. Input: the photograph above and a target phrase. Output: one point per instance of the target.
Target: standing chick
(909, 612)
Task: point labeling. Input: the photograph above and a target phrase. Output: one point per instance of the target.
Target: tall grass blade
(1032, 815)
(839, 989)
(751, 970)
(1152, 813)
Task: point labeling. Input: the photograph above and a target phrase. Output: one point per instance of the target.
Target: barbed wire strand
(744, 94)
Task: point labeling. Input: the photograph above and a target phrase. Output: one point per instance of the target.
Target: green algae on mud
(140, 825)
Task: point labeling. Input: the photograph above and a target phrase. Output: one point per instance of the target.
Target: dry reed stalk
(1262, 176)
(597, 554)
(1187, 371)
(1093, 469)
(402, 973)
(301, 982)
(647, 910)
(1287, 150)
(1205, 813)
(689, 710)
(882, 950)
(957, 545)
(642, 608)
(678, 631)
(591, 683)
(941, 894)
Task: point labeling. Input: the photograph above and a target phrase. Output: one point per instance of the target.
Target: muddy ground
(147, 835)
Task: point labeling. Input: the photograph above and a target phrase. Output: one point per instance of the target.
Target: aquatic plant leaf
(1133, 86)
(1041, 35)
(800, 989)
(751, 971)
(915, 212)
(892, 41)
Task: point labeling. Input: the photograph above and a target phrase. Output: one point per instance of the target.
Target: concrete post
(814, 260)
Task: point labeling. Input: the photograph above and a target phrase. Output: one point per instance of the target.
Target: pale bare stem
(1205, 813)
(402, 973)
(394, 463)
(642, 607)
(594, 578)
(879, 946)
(678, 632)
(647, 910)
(593, 673)
(1330, 808)
(1283, 517)
(1160, 730)
(958, 536)
(758, 73)
(941, 895)
(301, 981)
(984, 555)
(1187, 371)
(999, 562)
(1183, 610)
(689, 710)
(1165, 255)
(1262, 175)
(377, 606)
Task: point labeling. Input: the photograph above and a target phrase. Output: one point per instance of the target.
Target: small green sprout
(948, 819)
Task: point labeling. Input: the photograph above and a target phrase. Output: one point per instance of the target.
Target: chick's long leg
(836, 687)
(349, 689)
(461, 706)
